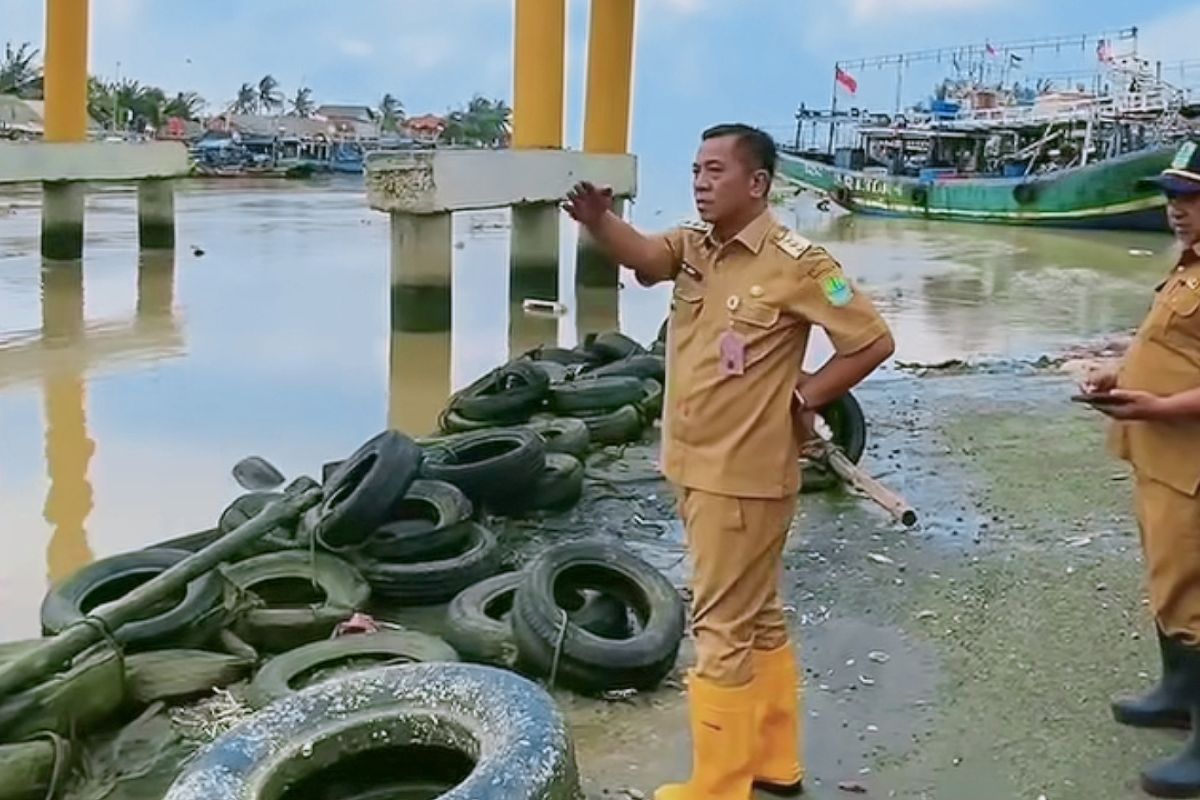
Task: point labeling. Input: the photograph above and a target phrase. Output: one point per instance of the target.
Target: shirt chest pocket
(687, 299)
(754, 318)
(1183, 302)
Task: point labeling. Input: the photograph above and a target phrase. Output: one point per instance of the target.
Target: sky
(698, 62)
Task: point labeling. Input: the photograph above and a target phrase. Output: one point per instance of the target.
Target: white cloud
(431, 49)
(356, 48)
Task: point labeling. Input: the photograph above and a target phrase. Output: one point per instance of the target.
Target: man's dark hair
(756, 146)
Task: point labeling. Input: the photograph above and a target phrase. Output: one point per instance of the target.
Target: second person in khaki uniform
(747, 292)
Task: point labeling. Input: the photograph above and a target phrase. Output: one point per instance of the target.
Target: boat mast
(833, 106)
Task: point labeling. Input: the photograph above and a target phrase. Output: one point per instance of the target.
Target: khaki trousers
(1169, 522)
(736, 547)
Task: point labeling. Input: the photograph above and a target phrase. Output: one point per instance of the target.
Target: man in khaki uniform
(747, 291)
(1155, 396)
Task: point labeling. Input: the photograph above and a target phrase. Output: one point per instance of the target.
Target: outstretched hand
(587, 204)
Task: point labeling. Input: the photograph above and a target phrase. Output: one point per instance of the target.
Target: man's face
(1183, 212)
(723, 184)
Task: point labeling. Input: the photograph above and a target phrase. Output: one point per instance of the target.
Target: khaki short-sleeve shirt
(730, 433)
(1164, 359)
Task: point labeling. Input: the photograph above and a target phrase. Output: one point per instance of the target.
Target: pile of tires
(611, 383)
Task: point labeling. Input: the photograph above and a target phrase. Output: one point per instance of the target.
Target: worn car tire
(614, 427)
(651, 404)
(27, 770)
(816, 477)
(432, 582)
(362, 492)
(637, 366)
(450, 421)
(430, 524)
(562, 434)
(488, 464)
(611, 346)
(188, 620)
(278, 625)
(848, 425)
(554, 371)
(559, 487)
(479, 626)
(590, 663)
(74, 702)
(291, 672)
(594, 394)
(559, 355)
(505, 395)
(513, 740)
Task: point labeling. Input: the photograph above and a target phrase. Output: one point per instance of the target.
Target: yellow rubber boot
(722, 722)
(778, 721)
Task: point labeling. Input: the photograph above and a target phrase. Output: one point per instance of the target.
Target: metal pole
(899, 84)
(833, 108)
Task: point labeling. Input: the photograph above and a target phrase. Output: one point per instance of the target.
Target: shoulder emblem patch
(837, 289)
(792, 243)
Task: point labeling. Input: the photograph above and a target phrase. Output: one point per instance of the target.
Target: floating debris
(880, 559)
(879, 657)
(1138, 252)
(927, 614)
(854, 787)
(865, 681)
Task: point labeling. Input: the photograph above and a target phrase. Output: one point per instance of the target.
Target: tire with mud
(488, 464)
(305, 666)
(612, 346)
(651, 404)
(618, 427)
(847, 424)
(479, 625)
(190, 619)
(558, 488)
(436, 581)
(591, 663)
(562, 435)
(28, 769)
(453, 731)
(363, 491)
(591, 395)
(428, 523)
(284, 600)
(510, 394)
(180, 674)
(245, 508)
(637, 366)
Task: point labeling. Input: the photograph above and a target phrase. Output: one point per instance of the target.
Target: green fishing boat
(1022, 155)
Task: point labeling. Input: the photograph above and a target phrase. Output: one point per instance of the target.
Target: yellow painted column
(539, 57)
(609, 76)
(66, 71)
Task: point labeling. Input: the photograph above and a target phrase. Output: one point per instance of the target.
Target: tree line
(133, 105)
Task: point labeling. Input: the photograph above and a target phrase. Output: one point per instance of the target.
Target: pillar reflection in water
(597, 287)
(419, 350)
(156, 288)
(533, 275)
(68, 447)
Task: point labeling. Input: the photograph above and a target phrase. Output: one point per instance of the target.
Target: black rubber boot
(1164, 706)
(1180, 776)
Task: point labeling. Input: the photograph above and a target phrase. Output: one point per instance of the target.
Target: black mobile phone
(1098, 399)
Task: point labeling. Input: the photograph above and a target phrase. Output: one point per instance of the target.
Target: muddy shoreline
(972, 656)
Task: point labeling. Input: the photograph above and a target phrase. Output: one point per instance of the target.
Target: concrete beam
(440, 181)
(35, 162)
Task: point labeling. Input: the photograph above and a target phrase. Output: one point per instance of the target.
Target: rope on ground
(106, 633)
(563, 621)
(62, 750)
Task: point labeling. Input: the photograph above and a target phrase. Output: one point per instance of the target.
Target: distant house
(359, 122)
(425, 129)
(26, 118)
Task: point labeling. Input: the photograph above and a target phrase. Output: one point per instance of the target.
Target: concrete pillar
(156, 215)
(421, 269)
(155, 287)
(69, 452)
(62, 220)
(418, 380)
(539, 51)
(533, 274)
(66, 70)
(609, 76)
(596, 310)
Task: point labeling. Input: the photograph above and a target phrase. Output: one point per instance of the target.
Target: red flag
(1104, 51)
(991, 51)
(845, 79)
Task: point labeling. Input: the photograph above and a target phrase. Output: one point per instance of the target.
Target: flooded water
(129, 386)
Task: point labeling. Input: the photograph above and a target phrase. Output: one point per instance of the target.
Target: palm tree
(302, 103)
(19, 71)
(391, 112)
(247, 100)
(269, 96)
(185, 105)
(100, 101)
